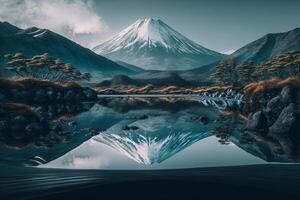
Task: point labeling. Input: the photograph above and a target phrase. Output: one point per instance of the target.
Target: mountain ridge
(269, 46)
(34, 41)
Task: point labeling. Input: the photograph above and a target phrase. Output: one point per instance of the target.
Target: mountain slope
(130, 67)
(153, 45)
(34, 41)
(157, 79)
(269, 46)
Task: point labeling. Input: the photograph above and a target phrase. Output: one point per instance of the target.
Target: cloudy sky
(212, 23)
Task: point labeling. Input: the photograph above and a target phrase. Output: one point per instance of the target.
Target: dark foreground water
(146, 133)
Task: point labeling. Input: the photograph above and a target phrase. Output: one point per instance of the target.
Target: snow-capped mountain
(153, 45)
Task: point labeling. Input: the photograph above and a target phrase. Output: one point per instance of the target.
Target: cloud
(75, 19)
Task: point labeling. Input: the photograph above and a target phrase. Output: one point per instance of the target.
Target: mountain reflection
(147, 131)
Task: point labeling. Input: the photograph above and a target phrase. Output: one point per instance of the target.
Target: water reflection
(145, 133)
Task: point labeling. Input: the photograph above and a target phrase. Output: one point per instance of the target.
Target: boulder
(41, 96)
(51, 94)
(287, 122)
(288, 95)
(90, 94)
(130, 128)
(257, 122)
(19, 123)
(204, 120)
(273, 109)
(72, 123)
(34, 129)
(70, 95)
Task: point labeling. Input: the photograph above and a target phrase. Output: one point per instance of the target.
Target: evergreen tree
(246, 72)
(43, 67)
(226, 73)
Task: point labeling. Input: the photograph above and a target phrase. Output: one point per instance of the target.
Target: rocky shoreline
(276, 119)
(32, 91)
(28, 107)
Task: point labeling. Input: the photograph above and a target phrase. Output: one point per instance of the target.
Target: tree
(226, 73)
(282, 66)
(246, 72)
(43, 67)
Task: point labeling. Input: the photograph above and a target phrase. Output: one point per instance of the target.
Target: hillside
(269, 46)
(35, 41)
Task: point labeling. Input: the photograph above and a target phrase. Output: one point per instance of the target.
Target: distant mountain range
(269, 46)
(147, 52)
(153, 45)
(34, 41)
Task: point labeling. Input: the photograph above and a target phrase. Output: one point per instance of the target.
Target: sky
(221, 25)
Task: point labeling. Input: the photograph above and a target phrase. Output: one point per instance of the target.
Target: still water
(147, 133)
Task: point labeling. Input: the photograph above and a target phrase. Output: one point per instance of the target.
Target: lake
(146, 132)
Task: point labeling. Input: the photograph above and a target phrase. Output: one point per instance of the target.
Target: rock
(287, 122)
(19, 123)
(204, 120)
(57, 129)
(273, 109)
(34, 128)
(51, 93)
(90, 94)
(257, 122)
(41, 96)
(286, 128)
(59, 96)
(70, 95)
(141, 117)
(130, 128)
(72, 123)
(288, 95)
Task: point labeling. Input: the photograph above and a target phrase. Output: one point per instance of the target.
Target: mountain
(269, 46)
(34, 41)
(157, 80)
(130, 67)
(153, 45)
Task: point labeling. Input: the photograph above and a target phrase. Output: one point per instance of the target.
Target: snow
(40, 34)
(155, 141)
(37, 32)
(151, 33)
(228, 52)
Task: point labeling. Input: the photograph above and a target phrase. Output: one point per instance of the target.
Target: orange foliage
(261, 86)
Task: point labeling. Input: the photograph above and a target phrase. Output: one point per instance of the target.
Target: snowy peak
(151, 33)
(152, 44)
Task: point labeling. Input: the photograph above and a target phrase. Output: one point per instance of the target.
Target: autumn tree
(43, 67)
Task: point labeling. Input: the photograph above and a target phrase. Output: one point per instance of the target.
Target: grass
(27, 82)
(160, 90)
(272, 84)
